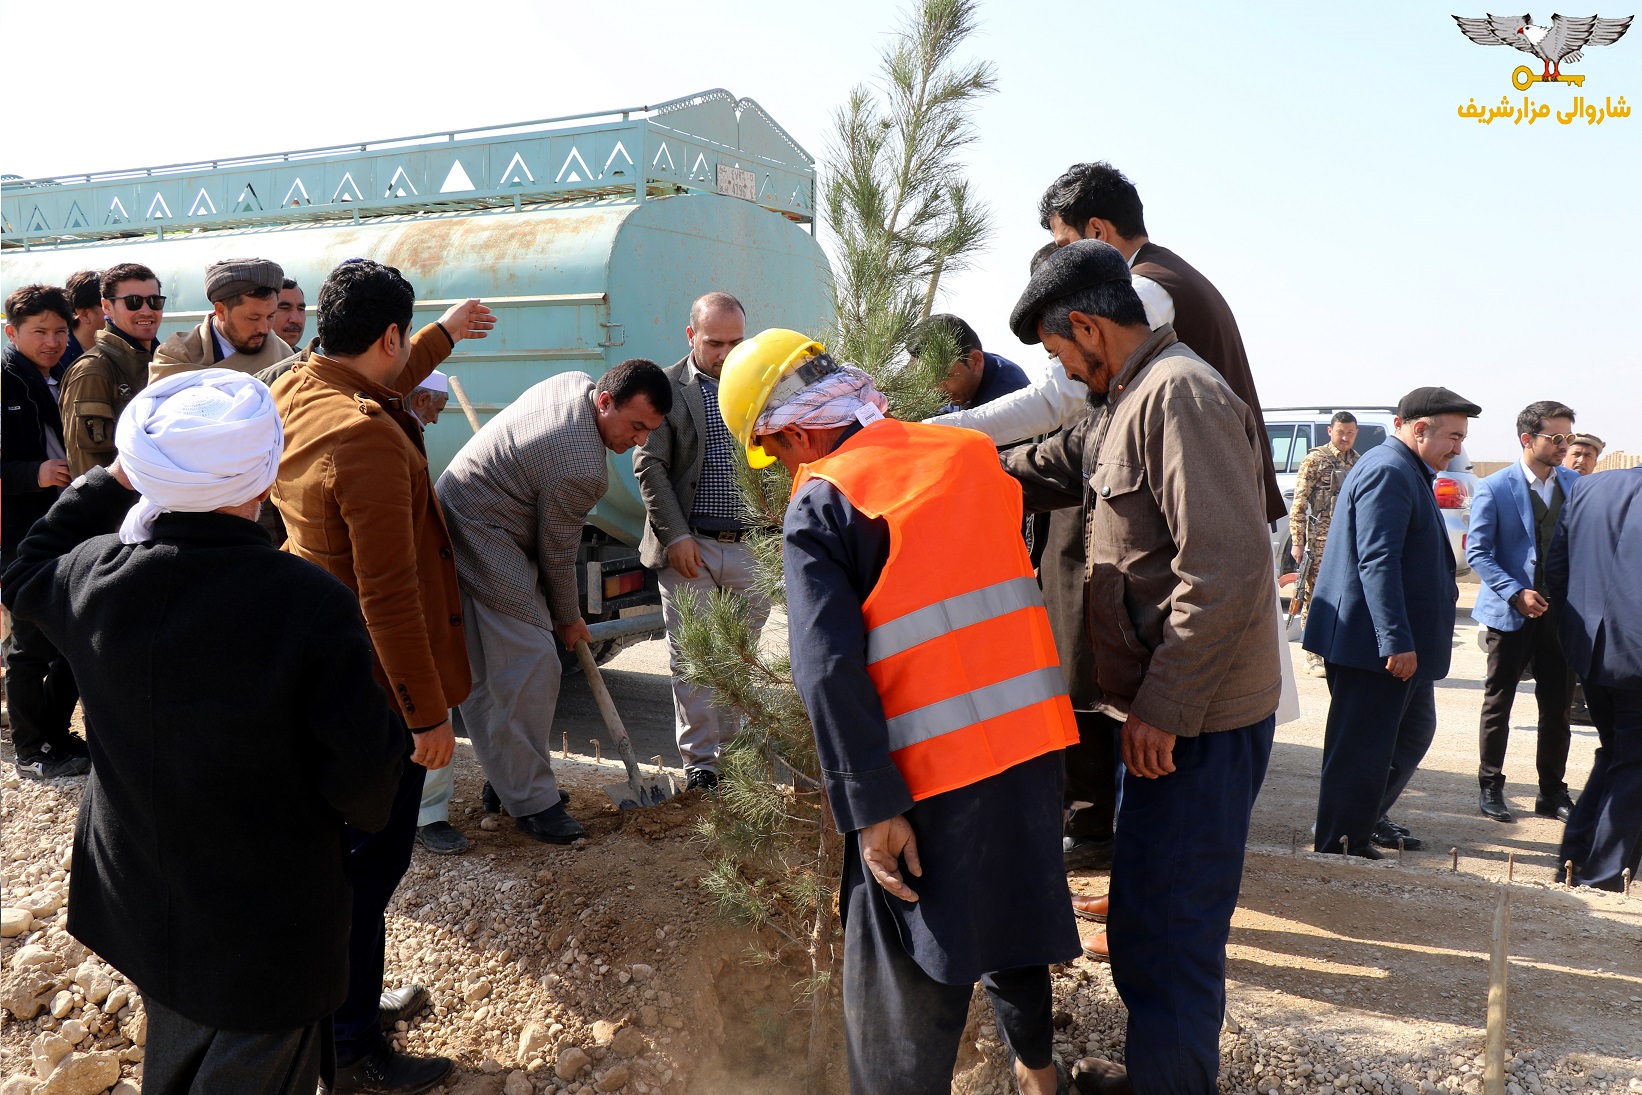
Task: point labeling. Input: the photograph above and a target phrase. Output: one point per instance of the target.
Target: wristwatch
(1514, 598)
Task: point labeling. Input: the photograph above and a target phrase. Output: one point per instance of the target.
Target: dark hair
(261, 292)
(85, 289)
(955, 330)
(126, 271)
(34, 300)
(359, 301)
(1343, 418)
(1532, 417)
(1090, 190)
(1113, 300)
(1040, 254)
(289, 283)
(712, 302)
(638, 376)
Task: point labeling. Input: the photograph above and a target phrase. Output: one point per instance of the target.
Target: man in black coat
(39, 684)
(237, 727)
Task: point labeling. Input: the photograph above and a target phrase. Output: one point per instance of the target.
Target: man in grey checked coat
(695, 532)
(515, 499)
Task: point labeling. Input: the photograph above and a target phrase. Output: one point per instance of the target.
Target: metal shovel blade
(640, 789)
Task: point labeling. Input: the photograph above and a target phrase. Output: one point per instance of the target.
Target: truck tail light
(624, 582)
(1451, 493)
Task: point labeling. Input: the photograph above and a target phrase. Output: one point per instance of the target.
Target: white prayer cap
(436, 382)
(197, 441)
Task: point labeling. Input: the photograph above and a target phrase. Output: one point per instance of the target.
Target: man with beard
(244, 295)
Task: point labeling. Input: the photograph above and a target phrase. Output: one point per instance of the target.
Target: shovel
(639, 790)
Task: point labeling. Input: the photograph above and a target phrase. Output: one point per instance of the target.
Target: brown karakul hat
(231, 277)
(1590, 439)
(1425, 402)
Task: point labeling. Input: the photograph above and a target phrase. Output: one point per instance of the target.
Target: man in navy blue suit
(1382, 617)
(1594, 573)
(1512, 519)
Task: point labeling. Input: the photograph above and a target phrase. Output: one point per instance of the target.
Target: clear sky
(1308, 158)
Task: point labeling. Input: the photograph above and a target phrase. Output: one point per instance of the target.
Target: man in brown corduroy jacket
(355, 495)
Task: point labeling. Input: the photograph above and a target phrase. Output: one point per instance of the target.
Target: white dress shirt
(1055, 400)
(1545, 488)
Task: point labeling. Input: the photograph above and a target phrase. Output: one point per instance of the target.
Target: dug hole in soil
(603, 967)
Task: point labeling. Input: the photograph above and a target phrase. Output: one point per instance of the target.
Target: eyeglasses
(135, 301)
(1556, 438)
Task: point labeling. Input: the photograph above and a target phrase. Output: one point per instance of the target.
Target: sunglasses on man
(135, 301)
(1557, 438)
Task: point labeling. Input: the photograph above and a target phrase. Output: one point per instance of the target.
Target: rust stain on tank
(422, 248)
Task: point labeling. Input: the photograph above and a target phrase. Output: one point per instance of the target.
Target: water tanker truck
(588, 235)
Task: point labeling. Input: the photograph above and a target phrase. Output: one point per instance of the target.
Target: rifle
(1302, 588)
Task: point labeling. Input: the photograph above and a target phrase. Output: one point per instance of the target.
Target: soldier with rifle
(1322, 474)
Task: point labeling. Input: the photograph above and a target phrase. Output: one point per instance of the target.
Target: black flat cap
(1080, 265)
(1424, 402)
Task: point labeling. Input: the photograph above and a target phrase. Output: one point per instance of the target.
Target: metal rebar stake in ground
(1493, 1075)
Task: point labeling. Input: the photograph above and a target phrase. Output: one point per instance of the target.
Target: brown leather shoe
(1091, 908)
(1094, 948)
(1098, 1076)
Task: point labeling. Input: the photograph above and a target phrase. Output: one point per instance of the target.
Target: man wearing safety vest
(922, 651)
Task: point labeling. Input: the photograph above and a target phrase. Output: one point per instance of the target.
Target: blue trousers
(1177, 864)
(1604, 833)
(376, 863)
(1379, 729)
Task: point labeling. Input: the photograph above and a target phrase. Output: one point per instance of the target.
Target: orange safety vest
(958, 641)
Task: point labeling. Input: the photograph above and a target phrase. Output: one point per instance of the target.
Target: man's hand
(883, 845)
(1402, 666)
(53, 473)
(570, 634)
(1532, 604)
(685, 557)
(1147, 751)
(119, 475)
(469, 319)
(434, 746)
(1297, 551)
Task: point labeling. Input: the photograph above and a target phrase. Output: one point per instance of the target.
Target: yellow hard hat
(751, 373)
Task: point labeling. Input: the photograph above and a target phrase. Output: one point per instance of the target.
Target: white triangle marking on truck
(247, 201)
(457, 179)
(516, 178)
(621, 151)
(297, 195)
(203, 206)
(663, 154)
(164, 211)
(116, 213)
(347, 190)
(586, 175)
(77, 217)
(37, 222)
(400, 185)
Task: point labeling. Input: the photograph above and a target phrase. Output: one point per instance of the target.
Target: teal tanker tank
(589, 236)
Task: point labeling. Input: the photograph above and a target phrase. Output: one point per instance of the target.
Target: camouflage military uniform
(1322, 474)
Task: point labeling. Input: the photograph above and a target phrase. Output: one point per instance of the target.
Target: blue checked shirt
(718, 506)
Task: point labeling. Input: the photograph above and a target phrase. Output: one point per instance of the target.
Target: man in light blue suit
(1594, 573)
(1512, 519)
(1382, 617)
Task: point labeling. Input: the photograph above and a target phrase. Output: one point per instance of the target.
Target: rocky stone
(96, 984)
(62, 1004)
(83, 1074)
(641, 972)
(117, 999)
(14, 922)
(36, 955)
(43, 904)
(518, 1084)
(47, 1051)
(615, 1079)
(571, 1062)
(489, 824)
(628, 1042)
(476, 992)
(604, 1032)
(126, 1087)
(137, 1031)
(74, 1031)
(26, 991)
(17, 1085)
(649, 1015)
(490, 1066)
(532, 1039)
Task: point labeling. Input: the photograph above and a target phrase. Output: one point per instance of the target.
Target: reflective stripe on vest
(976, 707)
(958, 642)
(987, 603)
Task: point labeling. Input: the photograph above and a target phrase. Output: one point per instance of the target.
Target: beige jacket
(197, 348)
(1179, 583)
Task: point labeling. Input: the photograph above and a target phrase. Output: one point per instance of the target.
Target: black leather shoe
(51, 763)
(1367, 851)
(553, 825)
(1098, 1076)
(1387, 833)
(402, 1003)
(1085, 854)
(384, 1072)
(441, 838)
(1492, 804)
(1557, 805)
(489, 800)
(701, 779)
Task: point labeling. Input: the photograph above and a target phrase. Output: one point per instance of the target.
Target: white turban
(837, 399)
(436, 381)
(195, 442)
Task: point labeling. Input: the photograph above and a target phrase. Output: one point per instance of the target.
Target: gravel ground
(602, 968)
